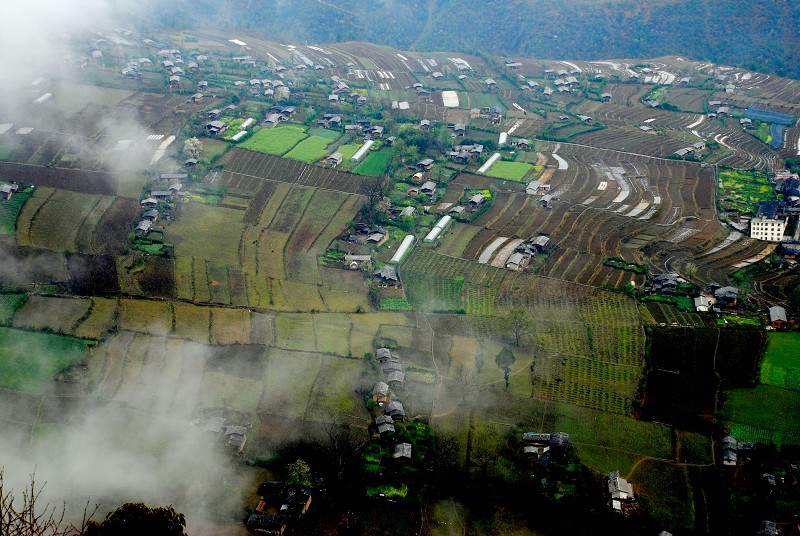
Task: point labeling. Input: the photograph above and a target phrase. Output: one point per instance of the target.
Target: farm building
(729, 451)
(387, 276)
(354, 262)
(395, 410)
(7, 190)
(726, 296)
(777, 317)
(703, 304)
(620, 490)
(384, 423)
(438, 228)
(334, 160)
(402, 451)
(143, 228)
(380, 393)
(475, 201)
(767, 224)
(428, 188)
(216, 127)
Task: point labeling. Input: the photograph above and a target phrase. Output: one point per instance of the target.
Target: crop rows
(585, 395)
(245, 169)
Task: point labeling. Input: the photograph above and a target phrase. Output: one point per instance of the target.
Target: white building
(766, 225)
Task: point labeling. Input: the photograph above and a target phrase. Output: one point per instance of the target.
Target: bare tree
(24, 514)
(467, 381)
(344, 446)
(519, 323)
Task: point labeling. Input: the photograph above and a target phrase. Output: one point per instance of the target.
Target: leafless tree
(23, 514)
(467, 381)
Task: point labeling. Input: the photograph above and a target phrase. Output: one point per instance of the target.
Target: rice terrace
(532, 277)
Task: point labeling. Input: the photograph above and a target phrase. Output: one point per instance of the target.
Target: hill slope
(755, 35)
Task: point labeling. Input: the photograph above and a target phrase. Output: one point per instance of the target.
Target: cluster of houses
(231, 438)
(279, 505)
(473, 203)
(694, 149)
(525, 251)
(383, 395)
(151, 203)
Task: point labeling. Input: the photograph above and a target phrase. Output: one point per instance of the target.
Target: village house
(726, 296)
(428, 189)
(425, 164)
(7, 191)
(395, 410)
(215, 128)
(465, 153)
(521, 144)
(729, 451)
(380, 393)
(387, 276)
(235, 438)
(620, 490)
(385, 424)
(143, 228)
(402, 451)
(777, 317)
(334, 159)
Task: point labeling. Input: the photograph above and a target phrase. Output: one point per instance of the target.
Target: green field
(781, 364)
(9, 303)
(28, 360)
(9, 210)
(348, 150)
(375, 163)
(206, 232)
(278, 140)
(513, 171)
(310, 149)
(763, 413)
(331, 135)
(743, 190)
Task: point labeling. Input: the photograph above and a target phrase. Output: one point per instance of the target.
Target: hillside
(755, 35)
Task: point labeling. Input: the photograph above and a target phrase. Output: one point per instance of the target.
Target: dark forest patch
(92, 275)
(243, 360)
(158, 278)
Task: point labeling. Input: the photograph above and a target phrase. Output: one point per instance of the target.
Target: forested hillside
(756, 35)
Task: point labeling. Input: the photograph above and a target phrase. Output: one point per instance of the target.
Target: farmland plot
(290, 380)
(275, 141)
(60, 315)
(28, 360)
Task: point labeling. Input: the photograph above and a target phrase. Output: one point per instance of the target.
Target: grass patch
(513, 171)
(348, 150)
(59, 315)
(230, 326)
(28, 360)
(10, 209)
(101, 320)
(781, 364)
(289, 382)
(192, 321)
(154, 317)
(330, 331)
(207, 232)
(664, 492)
(376, 163)
(310, 149)
(295, 331)
(9, 304)
(56, 225)
(277, 141)
(763, 413)
(332, 135)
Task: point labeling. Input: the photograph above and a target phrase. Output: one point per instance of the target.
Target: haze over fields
(474, 281)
